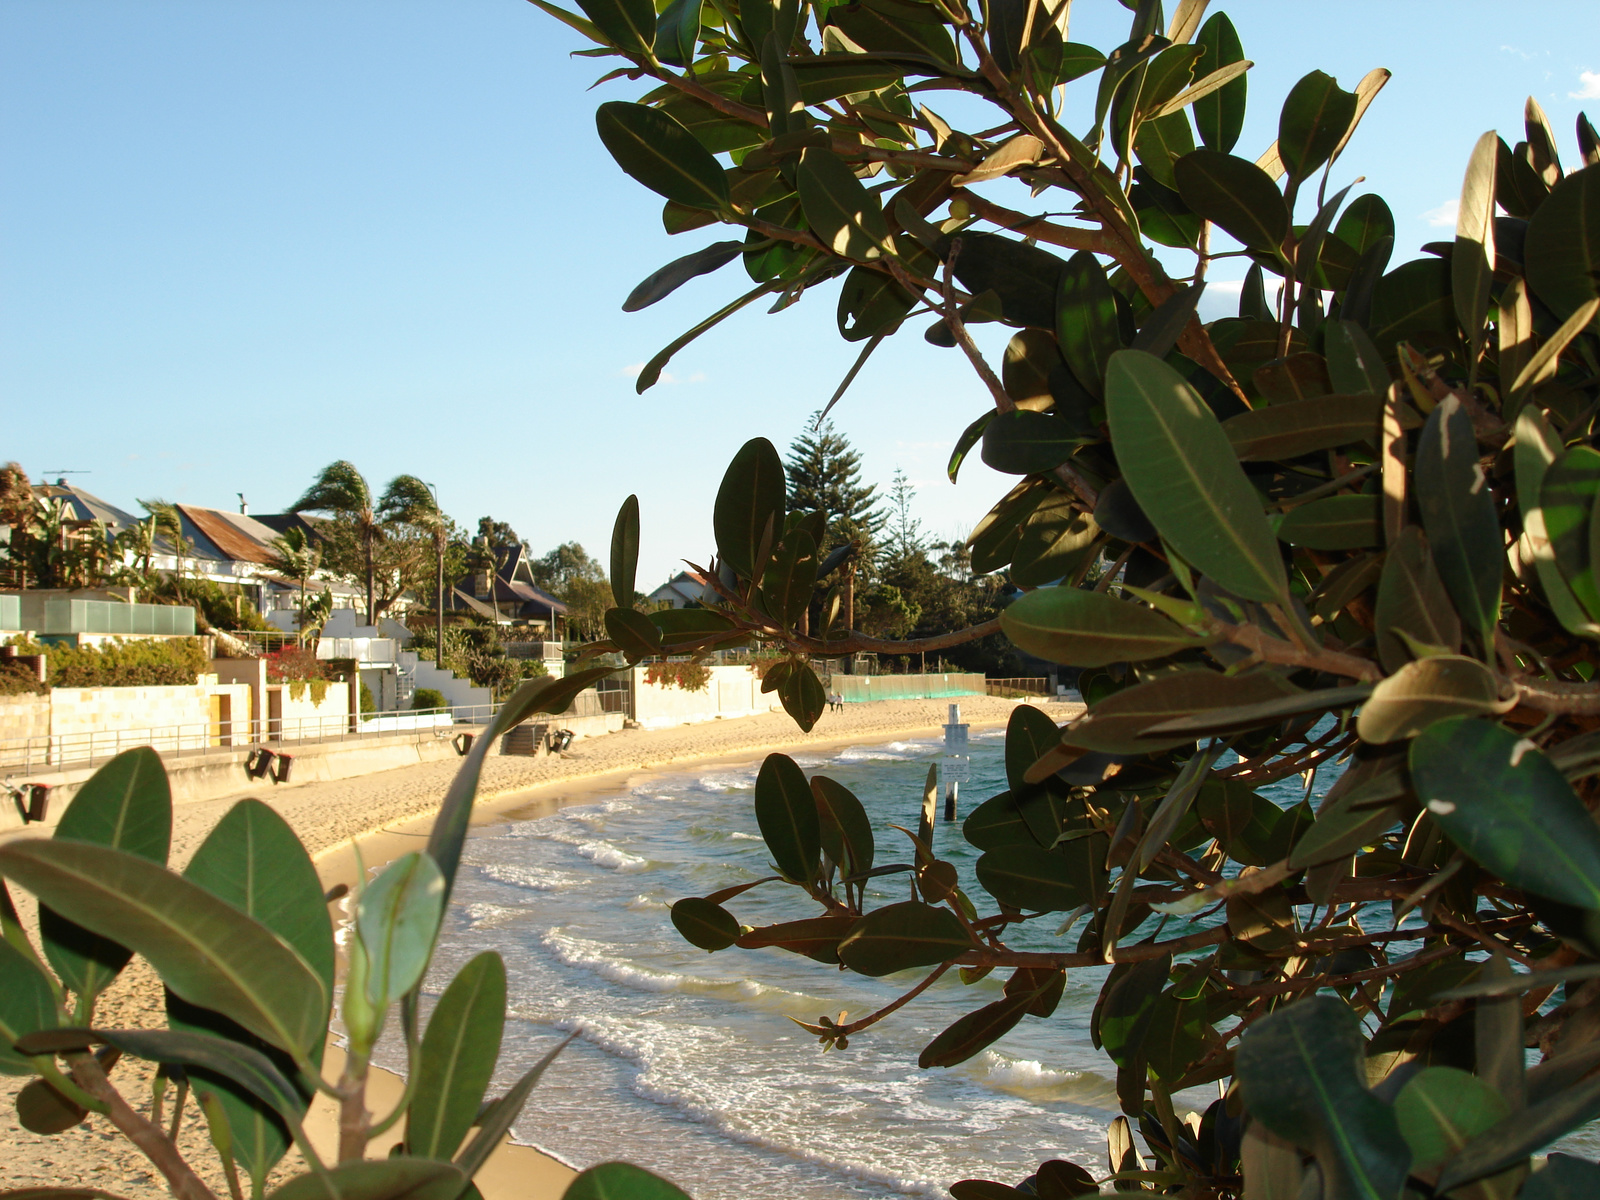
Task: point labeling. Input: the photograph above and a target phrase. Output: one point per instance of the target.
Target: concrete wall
(731, 692)
(21, 717)
(83, 719)
(335, 704)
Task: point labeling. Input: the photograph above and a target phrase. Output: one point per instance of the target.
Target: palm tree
(409, 501)
(168, 522)
(296, 557)
(340, 488)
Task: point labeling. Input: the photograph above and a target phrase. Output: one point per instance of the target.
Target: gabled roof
(235, 535)
(86, 506)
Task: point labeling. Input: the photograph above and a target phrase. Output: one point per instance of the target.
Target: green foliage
(143, 662)
(1350, 531)
(426, 699)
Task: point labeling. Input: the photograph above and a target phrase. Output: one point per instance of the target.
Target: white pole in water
(956, 763)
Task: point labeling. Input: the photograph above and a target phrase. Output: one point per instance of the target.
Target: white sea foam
(532, 878)
(604, 854)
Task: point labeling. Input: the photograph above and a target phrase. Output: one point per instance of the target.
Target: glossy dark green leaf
(972, 1033)
(621, 1181)
(846, 831)
(964, 444)
(678, 272)
(1302, 1077)
(901, 936)
(397, 919)
(1366, 221)
(1086, 320)
(1422, 693)
(1160, 142)
(895, 28)
(1119, 514)
(378, 1179)
(1473, 259)
(254, 1073)
(821, 80)
(1507, 805)
(1314, 119)
(1180, 465)
(750, 500)
(677, 32)
(1413, 301)
(207, 951)
(1235, 193)
(1024, 277)
(871, 304)
(1334, 523)
(1563, 1177)
(1029, 733)
(1246, 716)
(1458, 512)
(625, 551)
(1090, 629)
(1034, 879)
(816, 938)
(1412, 601)
(26, 1004)
(43, 1110)
(840, 211)
(1160, 330)
(1537, 448)
(633, 633)
(803, 697)
(457, 1058)
(1057, 543)
(790, 578)
(253, 860)
(1297, 427)
(1354, 364)
(1128, 999)
(1252, 829)
(1122, 723)
(1562, 252)
(630, 25)
(787, 815)
(1337, 835)
(1021, 442)
(1219, 116)
(1567, 497)
(1522, 1133)
(656, 150)
(126, 804)
(1300, 376)
(996, 822)
(704, 924)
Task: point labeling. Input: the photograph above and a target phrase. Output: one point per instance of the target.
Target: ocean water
(685, 1061)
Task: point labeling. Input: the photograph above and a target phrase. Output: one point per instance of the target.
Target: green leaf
(1472, 262)
(1032, 878)
(1219, 116)
(621, 1181)
(964, 444)
(791, 578)
(1507, 805)
(1180, 465)
(1340, 834)
(1023, 442)
(678, 272)
(822, 80)
(972, 1033)
(840, 211)
(871, 304)
(1313, 121)
(26, 1004)
(1562, 252)
(1354, 363)
(457, 1058)
(1236, 194)
(126, 804)
(1090, 629)
(253, 860)
(677, 31)
(656, 150)
(1427, 691)
(996, 822)
(397, 920)
(1458, 513)
(205, 950)
(217, 1057)
(787, 815)
(750, 503)
(1334, 523)
(497, 1123)
(43, 1110)
(1567, 497)
(1276, 708)
(1123, 722)
(817, 938)
(650, 375)
(896, 29)
(633, 632)
(1537, 447)
(630, 25)
(1086, 320)
(803, 698)
(1160, 142)
(1413, 301)
(1563, 1178)
(1024, 277)
(1440, 1109)
(1412, 601)
(1521, 1134)
(1056, 540)
(846, 831)
(1297, 427)
(1366, 222)
(572, 20)
(902, 936)
(1252, 829)
(381, 1179)
(1029, 734)
(1302, 1077)
(704, 924)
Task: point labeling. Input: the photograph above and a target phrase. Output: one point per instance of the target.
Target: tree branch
(154, 1144)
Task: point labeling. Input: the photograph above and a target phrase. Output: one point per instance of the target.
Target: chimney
(244, 507)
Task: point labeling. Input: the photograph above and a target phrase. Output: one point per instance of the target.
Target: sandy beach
(387, 814)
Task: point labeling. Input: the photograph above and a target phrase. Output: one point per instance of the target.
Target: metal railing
(1027, 686)
(66, 750)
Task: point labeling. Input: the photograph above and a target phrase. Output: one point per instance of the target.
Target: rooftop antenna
(60, 476)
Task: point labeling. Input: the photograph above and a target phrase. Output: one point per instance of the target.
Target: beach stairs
(414, 672)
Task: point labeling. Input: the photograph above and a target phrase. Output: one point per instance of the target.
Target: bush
(428, 700)
(18, 680)
(368, 704)
(294, 664)
(690, 676)
(148, 662)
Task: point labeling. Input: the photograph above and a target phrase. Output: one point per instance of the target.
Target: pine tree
(825, 474)
(904, 540)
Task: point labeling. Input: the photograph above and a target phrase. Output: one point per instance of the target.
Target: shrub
(368, 704)
(688, 675)
(147, 662)
(292, 664)
(426, 699)
(18, 680)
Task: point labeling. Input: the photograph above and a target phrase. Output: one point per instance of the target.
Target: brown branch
(151, 1141)
(1277, 650)
(1321, 981)
(1002, 401)
(1558, 696)
(1034, 227)
(856, 1026)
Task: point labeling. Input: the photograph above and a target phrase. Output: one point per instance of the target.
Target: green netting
(856, 688)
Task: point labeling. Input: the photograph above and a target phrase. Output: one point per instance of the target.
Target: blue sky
(239, 240)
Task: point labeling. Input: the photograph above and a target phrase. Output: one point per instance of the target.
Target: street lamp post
(438, 553)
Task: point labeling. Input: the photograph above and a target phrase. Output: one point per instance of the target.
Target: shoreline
(386, 814)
